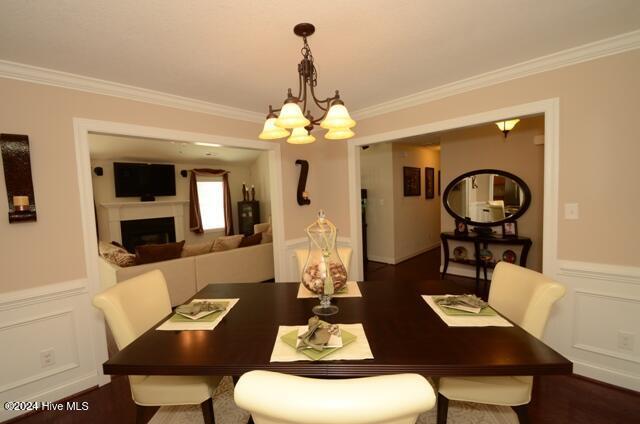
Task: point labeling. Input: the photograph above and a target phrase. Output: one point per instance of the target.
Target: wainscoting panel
(47, 350)
(303, 243)
(597, 323)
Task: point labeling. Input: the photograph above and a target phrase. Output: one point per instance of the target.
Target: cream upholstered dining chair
(303, 254)
(131, 308)
(525, 297)
(274, 398)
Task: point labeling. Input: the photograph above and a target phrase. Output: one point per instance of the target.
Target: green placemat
(484, 312)
(291, 339)
(208, 318)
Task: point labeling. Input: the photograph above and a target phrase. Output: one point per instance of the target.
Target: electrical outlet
(626, 340)
(47, 358)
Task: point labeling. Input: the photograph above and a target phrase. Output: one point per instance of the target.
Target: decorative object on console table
(245, 192)
(510, 229)
(302, 195)
(429, 182)
(17, 175)
(248, 216)
(461, 227)
(253, 193)
(411, 181)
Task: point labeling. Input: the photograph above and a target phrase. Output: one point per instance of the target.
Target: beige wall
(599, 103)
(376, 175)
(416, 219)
(326, 185)
(51, 249)
(104, 191)
(485, 147)
(599, 147)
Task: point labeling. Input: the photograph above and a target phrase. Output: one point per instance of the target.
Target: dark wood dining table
(404, 334)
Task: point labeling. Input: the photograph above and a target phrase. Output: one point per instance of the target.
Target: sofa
(185, 276)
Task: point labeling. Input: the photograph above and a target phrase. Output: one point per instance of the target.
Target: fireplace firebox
(147, 231)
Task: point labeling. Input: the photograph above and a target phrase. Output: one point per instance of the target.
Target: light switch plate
(571, 211)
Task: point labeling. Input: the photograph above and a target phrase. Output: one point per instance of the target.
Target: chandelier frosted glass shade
(291, 116)
(339, 134)
(271, 131)
(338, 118)
(300, 136)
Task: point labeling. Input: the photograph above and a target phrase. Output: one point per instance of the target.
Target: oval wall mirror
(487, 197)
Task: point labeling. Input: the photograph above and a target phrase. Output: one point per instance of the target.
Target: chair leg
(141, 414)
(207, 411)
(443, 409)
(522, 411)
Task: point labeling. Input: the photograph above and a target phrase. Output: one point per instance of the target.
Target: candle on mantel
(21, 203)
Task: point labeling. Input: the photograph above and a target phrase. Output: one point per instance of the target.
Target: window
(211, 199)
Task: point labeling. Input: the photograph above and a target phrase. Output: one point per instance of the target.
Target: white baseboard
(403, 258)
(606, 375)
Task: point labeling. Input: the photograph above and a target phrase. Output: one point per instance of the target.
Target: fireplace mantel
(110, 214)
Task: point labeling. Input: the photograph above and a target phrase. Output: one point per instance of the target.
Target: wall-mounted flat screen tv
(142, 179)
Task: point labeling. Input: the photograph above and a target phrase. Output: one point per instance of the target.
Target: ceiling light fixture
(506, 126)
(334, 116)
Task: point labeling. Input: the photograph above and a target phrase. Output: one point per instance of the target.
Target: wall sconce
(506, 126)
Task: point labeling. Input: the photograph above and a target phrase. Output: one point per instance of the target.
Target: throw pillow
(226, 243)
(122, 259)
(196, 249)
(149, 253)
(267, 235)
(106, 248)
(251, 240)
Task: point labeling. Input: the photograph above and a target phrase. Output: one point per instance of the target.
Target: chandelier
(295, 114)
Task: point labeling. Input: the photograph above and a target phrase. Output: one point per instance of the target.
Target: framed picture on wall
(411, 181)
(429, 182)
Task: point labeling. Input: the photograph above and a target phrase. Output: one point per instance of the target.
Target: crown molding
(34, 74)
(572, 56)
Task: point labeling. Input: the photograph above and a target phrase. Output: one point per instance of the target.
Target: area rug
(226, 412)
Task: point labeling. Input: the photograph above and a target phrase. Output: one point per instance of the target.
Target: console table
(482, 241)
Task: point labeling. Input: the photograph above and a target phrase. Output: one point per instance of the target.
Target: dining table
(404, 334)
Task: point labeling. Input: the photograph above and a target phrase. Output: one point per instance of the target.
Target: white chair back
(134, 306)
(524, 296)
(274, 398)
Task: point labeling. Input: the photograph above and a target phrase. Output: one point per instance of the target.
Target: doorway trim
(551, 110)
(83, 127)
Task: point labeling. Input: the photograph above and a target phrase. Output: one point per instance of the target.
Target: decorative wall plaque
(17, 176)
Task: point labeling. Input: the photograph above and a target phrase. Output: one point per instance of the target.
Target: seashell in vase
(312, 276)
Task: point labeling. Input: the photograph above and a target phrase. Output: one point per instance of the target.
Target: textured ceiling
(102, 146)
(243, 53)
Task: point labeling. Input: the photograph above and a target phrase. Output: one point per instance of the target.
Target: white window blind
(211, 199)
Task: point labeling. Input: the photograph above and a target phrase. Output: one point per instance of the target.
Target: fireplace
(147, 231)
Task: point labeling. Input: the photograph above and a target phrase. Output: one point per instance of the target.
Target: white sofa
(185, 276)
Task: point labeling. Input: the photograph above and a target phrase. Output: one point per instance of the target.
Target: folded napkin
(466, 320)
(354, 345)
(351, 290)
(209, 321)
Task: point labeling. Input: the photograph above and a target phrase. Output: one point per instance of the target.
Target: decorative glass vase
(324, 273)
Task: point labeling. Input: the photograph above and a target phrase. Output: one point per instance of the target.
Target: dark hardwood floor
(556, 399)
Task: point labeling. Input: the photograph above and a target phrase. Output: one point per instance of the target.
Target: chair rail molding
(47, 318)
(591, 340)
